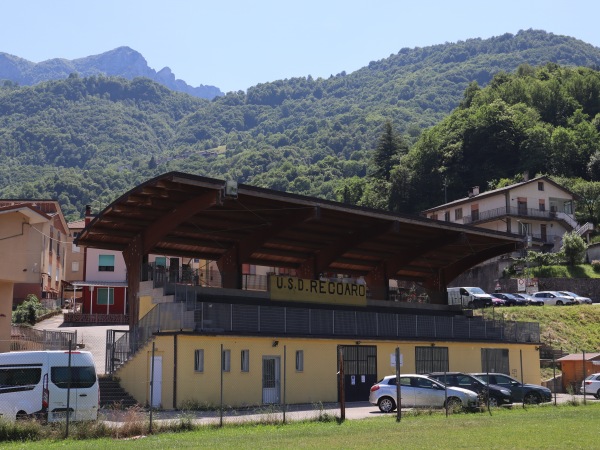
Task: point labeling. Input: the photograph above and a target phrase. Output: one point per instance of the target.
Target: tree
(574, 248)
(388, 152)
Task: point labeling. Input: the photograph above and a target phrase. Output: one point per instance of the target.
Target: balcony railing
(518, 211)
(270, 320)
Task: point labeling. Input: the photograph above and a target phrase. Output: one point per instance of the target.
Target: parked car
(519, 392)
(497, 301)
(554, 298)
(531, 300)
(510, 299)
(497, 394)
(420, 391)
(578, 299)
(591, 385)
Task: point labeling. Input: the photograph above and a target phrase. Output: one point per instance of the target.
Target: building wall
(6, 300)
(316, 383)
(92, 272)
(89, 302)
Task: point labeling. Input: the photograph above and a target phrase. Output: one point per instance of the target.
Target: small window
(75, 266)
(106, 296)
(447, 216)
(199, 360)
(458, 214)
(245, 361)
(540, 185)
(300, 360)
(226, 361)
(106, 263)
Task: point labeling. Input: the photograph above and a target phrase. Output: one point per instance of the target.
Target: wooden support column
(231, 269)
(133, 256)
(436, 289)
(378, 283)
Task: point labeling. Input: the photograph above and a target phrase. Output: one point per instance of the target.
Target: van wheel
(21, 415)
(470, 305)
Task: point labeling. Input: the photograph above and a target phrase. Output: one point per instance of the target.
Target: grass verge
(569, 426)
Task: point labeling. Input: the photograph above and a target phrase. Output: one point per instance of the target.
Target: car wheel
(532, 398)
(559, 302)
(21, 415)
(454, 404)
(470, 305)
(386, 404)
(493, 402)
(597, 394)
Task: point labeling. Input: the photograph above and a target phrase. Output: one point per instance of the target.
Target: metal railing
(518, 211)
(26, 338)
(226, 317)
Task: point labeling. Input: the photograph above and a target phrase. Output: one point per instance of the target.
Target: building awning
(99, 283)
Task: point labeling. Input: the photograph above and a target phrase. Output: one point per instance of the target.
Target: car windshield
(570, 294)
(475, 290)
(481, 380)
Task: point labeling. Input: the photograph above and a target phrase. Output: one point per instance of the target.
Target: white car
(419, 391)
(577, 298)
(554, 298)
(591, 385)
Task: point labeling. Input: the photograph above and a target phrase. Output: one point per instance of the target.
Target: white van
(469, 297)
(36, 384)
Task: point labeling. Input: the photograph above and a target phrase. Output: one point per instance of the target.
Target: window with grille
(431, 359)
(495, 360)
(226, 361)
(199, 360)
(245, 360)
(299, 360)
(458, 214)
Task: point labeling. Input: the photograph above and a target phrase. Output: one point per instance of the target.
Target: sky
(236, 44)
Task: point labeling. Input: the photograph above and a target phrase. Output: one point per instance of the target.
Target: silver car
(591, 385)
(420, 391)
(579, 300)
(554, 298)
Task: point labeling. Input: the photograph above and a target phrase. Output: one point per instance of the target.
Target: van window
(81, 377)
(19, 379)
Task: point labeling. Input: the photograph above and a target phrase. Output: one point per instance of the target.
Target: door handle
(83, 395)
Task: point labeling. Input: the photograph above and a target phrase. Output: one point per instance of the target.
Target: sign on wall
(317, 291)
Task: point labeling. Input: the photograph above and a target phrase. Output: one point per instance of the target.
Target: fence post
(341, 383)
(68, 392)
(398, 393)
(221, 389)
(284, 380)
(152, 385)
(584, 401)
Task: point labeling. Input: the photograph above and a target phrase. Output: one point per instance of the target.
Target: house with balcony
(289, 291)
(539, 209)
(32, 243)
(97, 281)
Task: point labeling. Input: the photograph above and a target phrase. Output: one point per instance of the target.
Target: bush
(574, 248)
(28, 311)
(596, 265)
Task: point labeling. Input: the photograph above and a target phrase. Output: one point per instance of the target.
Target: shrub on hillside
(596, 265)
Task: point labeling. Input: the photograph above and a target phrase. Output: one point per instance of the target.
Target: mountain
(87, 139)
(120, 62)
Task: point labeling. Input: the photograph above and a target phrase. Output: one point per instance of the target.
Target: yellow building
(280, 340)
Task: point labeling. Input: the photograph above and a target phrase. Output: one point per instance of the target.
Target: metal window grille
(199, 360)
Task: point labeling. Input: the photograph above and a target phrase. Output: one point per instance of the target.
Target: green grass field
(573, 426)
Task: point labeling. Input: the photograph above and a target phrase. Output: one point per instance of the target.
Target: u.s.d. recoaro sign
(317, 291)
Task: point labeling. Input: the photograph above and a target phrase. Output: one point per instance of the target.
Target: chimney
(88, 214)
(474, 191)
(526, 175)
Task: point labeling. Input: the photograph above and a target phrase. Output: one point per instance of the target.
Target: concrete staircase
(112, 395)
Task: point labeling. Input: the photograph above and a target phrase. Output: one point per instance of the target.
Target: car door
(428, 393)
(516, 388)
(407, 392)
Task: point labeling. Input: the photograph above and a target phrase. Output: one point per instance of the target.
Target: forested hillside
(87, 140)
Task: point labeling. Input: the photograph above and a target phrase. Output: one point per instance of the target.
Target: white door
(271, 379)
(156, 389)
